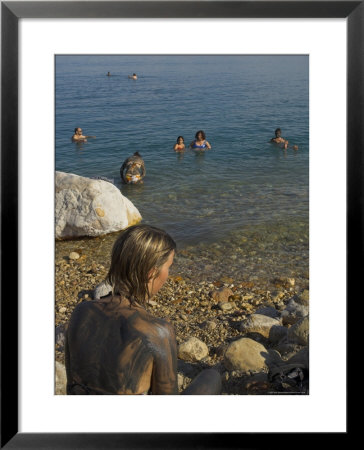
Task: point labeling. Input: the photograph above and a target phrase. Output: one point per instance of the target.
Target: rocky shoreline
(219, 320)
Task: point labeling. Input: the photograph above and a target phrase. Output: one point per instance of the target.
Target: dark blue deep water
(243, 183)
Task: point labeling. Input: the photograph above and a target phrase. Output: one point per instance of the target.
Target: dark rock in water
(109, 180)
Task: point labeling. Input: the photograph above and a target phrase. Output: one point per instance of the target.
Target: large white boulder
(87, 207)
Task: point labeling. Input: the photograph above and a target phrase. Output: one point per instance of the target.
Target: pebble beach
(211, 290)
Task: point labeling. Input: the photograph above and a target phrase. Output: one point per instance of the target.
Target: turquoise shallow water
(243, 183)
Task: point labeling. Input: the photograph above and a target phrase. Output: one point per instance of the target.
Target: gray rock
(192, 350)
(258, 323)
(278, 334)
(293, 312)
(287, 350)
(86, 207)
(61, 379)
(102, 290)
(268, 311)
(245, 355)
(301, 358)
(304, 298)
(60, 335)
(299, 333)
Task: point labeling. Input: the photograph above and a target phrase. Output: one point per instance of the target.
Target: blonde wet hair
(138, 251)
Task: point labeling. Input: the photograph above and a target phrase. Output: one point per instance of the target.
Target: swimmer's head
(278, 132)
(180, 139)
(136, 260)
(78, 130)
(200, 135)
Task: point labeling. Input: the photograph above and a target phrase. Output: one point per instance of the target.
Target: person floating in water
(113, 345)
(279, 140)
(109, 74)
(200, 143)
(133, 77)
(133, 169)
(180, 145)
(78, 136)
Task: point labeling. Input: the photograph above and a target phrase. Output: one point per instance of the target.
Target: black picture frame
(11, 12)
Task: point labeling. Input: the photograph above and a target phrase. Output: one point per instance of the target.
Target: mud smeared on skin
(114, 348)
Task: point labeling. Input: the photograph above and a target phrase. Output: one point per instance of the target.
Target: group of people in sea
(133, 168)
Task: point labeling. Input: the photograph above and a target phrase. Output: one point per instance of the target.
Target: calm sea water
(243, 183)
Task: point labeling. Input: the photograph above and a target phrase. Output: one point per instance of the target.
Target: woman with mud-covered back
(113, 345)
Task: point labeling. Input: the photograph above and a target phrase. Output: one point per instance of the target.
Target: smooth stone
(192, 350)
(268, 311)
(210, 325)
(302, 358)
(87, 207)
(102, 290)
(60, 335)
(258, 323)
(225, 306)
(278, 334)
(61, 379)
(222, 294)
(287, 349)
(299, 332)
(74, 255)
(245, 355)
(293, 312)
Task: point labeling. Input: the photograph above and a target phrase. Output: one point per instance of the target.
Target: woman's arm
(208, 145)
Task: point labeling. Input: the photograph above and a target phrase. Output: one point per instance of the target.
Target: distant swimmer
(133, 77)
(200, 142)
(279, 140)
(109, 74)
(133, 169)
(78, 136)
(180, 145)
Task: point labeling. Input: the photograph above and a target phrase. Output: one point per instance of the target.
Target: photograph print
(182, 224)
